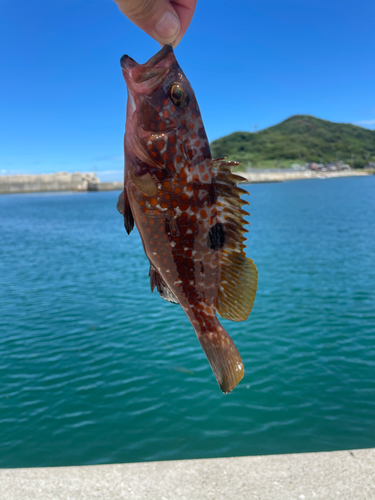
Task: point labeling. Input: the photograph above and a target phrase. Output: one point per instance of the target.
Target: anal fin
(123, 206)
(164, 291)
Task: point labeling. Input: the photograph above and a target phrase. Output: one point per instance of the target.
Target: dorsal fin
(164, 291)
(239, 276)
(123, 206)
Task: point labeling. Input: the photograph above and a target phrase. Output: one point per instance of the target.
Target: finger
(185, 11)
(157, 18)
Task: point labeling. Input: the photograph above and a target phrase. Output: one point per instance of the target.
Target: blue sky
(251, 63)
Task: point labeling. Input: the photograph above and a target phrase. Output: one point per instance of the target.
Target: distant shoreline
(86, 182)
(269, 176)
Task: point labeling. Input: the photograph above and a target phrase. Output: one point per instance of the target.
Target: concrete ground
(341, 475)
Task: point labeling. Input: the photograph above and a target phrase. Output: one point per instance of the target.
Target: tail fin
(225, 361)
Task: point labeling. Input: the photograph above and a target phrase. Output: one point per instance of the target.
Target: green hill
(301, 139)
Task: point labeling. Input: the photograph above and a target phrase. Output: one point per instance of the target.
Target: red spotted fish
(187, 208)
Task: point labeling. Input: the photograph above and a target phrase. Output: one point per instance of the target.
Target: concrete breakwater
(61, 181)
(106, 186)
(87, 181)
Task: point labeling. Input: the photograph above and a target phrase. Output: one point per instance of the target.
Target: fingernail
(168, 26)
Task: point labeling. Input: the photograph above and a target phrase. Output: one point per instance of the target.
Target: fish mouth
(145, 78)
(128, 63)
(160, 56)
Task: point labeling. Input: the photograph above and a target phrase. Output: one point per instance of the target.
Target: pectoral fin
(144, 183)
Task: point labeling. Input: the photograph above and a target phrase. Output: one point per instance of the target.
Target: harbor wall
(105, 186)
(87, 181)
(61, 181)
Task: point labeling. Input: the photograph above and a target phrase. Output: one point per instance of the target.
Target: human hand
(164, 20)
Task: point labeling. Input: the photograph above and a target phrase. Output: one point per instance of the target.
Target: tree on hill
(300, 138)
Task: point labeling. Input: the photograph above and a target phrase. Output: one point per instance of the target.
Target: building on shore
(328, 167)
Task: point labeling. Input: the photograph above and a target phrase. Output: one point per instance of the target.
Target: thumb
(156, 17)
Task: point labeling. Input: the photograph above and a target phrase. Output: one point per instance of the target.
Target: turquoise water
(96, 369)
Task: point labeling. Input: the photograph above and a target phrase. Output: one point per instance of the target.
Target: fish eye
(178, 95)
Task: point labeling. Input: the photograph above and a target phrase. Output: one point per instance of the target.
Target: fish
(187, 208)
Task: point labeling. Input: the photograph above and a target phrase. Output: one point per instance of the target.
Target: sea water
(96, 369)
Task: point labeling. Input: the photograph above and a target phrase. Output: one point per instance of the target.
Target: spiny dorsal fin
(123, 207)
(164, 291)
(239, 276)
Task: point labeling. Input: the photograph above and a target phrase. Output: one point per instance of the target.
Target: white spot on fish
(131, 102)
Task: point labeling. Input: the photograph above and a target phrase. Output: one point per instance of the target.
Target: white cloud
(110, 175)
(110, 171)
(110, 158)
(366, 123)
